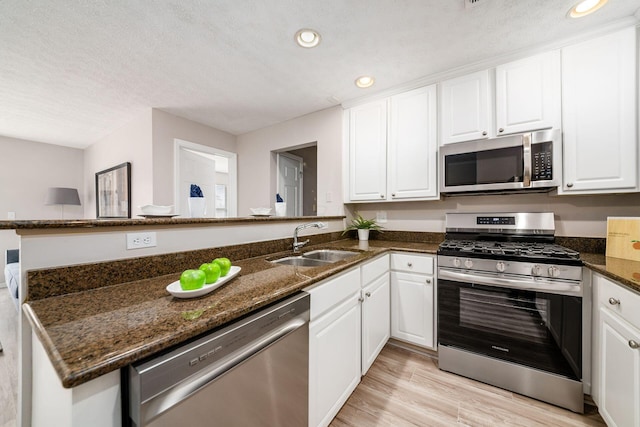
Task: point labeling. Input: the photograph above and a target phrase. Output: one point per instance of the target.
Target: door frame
(300, 160)
(232, 191)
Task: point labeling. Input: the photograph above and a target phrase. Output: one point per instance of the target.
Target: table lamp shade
(62, 196)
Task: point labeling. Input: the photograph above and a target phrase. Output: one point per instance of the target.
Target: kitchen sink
(316, 258)
(330, 255)
(300, 261)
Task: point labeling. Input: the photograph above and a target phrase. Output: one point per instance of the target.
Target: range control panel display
(496, 220)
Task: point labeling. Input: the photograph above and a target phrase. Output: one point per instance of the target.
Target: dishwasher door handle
(158, 404)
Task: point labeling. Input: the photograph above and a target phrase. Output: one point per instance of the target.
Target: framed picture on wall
(113, 192)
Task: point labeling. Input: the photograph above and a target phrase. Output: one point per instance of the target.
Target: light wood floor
(8, 360)
(403, 388)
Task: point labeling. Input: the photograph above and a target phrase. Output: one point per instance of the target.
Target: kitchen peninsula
(90, 317)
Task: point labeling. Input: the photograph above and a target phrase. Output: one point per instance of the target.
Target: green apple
(192, 279)
(225, 265)
(212, 271)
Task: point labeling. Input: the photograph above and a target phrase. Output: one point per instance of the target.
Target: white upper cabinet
(599, 90)
(413, 144)
(393, 148)
(528, 94)
(465, 109)
(368, 151)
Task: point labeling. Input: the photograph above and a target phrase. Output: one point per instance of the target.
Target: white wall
(256, 167)
(576, 216)
(131, 143)
(166, 128)
(28, 169)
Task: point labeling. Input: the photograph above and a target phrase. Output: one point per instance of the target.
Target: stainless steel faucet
(297, 245)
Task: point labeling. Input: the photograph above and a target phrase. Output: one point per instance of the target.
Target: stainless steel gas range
(510, 306)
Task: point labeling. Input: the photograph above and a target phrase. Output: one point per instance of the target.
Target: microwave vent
(470, 4)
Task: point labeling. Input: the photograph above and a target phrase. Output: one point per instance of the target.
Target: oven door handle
(534, 284)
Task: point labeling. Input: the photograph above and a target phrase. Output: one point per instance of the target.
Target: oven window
(484, 167)
(504, 312)
(534, 329)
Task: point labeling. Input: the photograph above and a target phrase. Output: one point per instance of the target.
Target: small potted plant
(363, 226)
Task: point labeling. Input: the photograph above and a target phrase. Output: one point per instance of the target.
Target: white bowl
(260, 211)
(156, 210)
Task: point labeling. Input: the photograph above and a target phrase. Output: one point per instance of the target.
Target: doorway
(305, 200)
(213, 170)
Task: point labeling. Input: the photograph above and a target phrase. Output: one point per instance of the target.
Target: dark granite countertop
(90, 333)
(622, 271)
(176, 221)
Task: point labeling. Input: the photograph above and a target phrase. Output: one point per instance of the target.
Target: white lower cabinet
(616, 354)
(376, 308)
(412, 299)
(334, 345)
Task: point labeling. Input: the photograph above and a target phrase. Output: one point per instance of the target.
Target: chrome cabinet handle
(393, 194)
(428, 280)
(614, 301)
(368, 294)
(361, 299)
(484, 133)
(501, 130)
(569, 184)
(382, 196)
(409, 264)
(633, 344)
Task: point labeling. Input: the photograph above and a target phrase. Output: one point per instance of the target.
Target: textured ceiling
(72, 72)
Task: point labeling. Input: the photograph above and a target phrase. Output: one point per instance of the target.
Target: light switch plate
(141, 240)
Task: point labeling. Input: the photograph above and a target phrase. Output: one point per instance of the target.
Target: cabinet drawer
(618, 299)
(333, 291)
(412, 263)
(374, 269)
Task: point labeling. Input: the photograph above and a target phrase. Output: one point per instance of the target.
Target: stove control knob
(554, 271)
(456, 262)
(468, 263)
(536, 270)
(500, 267)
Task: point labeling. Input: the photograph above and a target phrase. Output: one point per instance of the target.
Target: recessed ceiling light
(585, 7)
(365, 81)
(307, 38)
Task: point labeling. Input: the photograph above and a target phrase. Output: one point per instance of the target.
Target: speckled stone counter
(622, 271)
(90, 333)
(145, 222)
(93, 331)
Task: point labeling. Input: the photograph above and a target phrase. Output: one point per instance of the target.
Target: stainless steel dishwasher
(253, 372)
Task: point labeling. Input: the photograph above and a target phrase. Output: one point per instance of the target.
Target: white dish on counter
(156, 210)
(175, 289)
(260, 211)
(158, 216)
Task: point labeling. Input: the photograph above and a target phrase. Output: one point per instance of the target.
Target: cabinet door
(375, 320)
(465, 108)
(528, 94)
(412, 308)
(599, 114)
(334, 360)
(619, 371)
(412, 146)
(368, 151)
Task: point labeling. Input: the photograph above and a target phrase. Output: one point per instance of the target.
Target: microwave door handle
(526, 154)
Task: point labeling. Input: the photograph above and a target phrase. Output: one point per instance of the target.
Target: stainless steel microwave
(510, 163)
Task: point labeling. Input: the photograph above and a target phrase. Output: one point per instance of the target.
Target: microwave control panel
(542, 161)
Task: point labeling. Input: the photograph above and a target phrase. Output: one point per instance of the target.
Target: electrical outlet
(11, 215)
(381, 217)
(141, 240)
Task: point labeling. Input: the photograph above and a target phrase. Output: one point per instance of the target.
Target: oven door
(535, 329)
